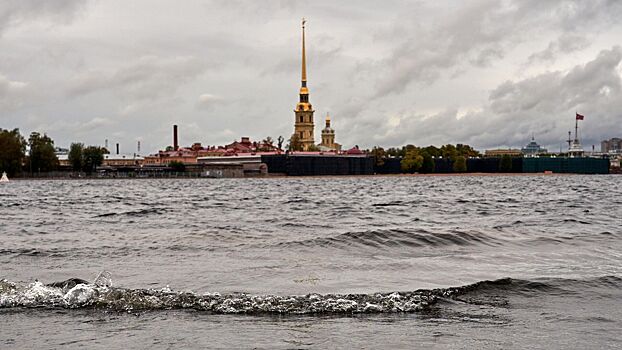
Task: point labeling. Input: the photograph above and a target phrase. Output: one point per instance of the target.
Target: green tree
(393, 152)
(432, 151)
(41, 156)
(466, 151)
(295, 144)
(379, 155)
(412, 161)
(449, 151)
(178, 167)
(460, 165)
(92, 157)
(12, 151)
(428, 165)
(505, 164)
(76, 158)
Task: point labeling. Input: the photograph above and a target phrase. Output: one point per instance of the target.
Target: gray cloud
(543, 105)
(12, 93)
(148, 77)
(207, 101)
(482, 31)
(16, 12)
(566, 43)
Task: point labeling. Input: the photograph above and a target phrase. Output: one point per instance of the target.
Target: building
(181, 155)
(189, 155)
(109, 161)
(122, 160)
(303, 124)
(249, 163)
(495, 153)
(613, 145)
(328, 138)
(533, 148)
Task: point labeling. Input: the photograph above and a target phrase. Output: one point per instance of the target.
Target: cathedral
(304, 125)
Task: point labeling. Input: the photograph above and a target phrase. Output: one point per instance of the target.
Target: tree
(428, 165)
(449, 151)
(12, 151)
(178, 167)
(279, 141)
(505, 164)
(379, 155)
(467, 151)
(75, 156)
(295, 144)
(432, 151)
(412, 161)
(460, 165)
(312, 148)
(41, 156)
(393, 152)
(92, 157)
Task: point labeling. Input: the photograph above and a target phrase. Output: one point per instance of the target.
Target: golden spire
(327, 120)
(304, 60)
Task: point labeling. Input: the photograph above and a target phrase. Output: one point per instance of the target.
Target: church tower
(328, 134)
(303, 125)
(328, 138)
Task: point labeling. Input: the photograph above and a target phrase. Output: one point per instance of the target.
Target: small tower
(328, 138)
(303, 125)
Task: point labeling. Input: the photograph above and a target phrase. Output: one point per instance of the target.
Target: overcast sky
(486, 73)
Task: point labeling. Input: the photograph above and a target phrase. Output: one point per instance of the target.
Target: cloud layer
(488, 73)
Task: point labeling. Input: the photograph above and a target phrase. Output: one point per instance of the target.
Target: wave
(76, 293)
(37, 295)
(139, 213)
(397, 237)
(423, 238)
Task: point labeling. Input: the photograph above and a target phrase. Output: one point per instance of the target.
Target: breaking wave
(77, 293)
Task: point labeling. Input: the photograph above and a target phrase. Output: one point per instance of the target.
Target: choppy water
(353, 262)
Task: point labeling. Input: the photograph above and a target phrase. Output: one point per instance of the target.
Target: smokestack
(117, 148)
(138, 147)
(106, 143)
(175, 140)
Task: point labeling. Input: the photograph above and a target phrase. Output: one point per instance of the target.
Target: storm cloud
(487, 73)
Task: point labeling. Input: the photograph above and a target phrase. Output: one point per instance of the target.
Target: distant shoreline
(277, 176)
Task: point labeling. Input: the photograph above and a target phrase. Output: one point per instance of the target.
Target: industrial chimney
(175, 139)
(117, 148)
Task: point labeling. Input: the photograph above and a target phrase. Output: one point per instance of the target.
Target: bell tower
(328, 134)
(303, 125)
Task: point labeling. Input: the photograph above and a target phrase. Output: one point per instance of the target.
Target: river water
(338, 262)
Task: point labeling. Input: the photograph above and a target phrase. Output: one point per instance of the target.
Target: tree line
(422, 159)
(37, 154)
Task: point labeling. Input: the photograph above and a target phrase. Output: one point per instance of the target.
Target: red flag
(579, 116)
